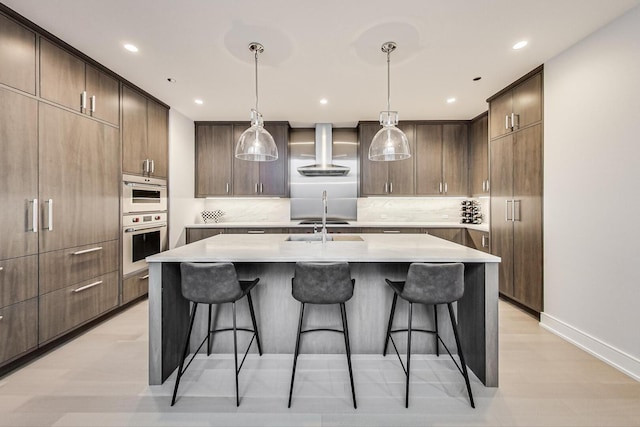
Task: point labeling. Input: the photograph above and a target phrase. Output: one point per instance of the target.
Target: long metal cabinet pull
(440, 187)
(83, 100)
(255, 231)
(446, 188)
(90, 285)
(256, 187)
(86, 251)
(93, 104)
(516, 212)
(145, 277)
(513, 120)
(34, 220)
(1, 317)
(1, 268)
(386, 186)
(261, 188)
(50, 218)
(227, 188)
(145, 166)
(153, 166)
(391, 187)
(483, 241)
(506, 122)
(391, 231)
(506, 210)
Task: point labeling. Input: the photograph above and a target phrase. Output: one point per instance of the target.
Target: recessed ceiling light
(475, 79)
(198, 101)
(171, 80)
(451, 100)
(520, 45)
(130, 47)
(324, 101)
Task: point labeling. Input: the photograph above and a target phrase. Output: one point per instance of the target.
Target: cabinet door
(18, 279)
(158, 138)
(527, 101)
(402, 172)
(499, 109)
(273, 175)
(135, 286)
(79, 173)
(18, 329)
(478, 240)
(214, 151)
(455, 155)
(479, 157)
(18, 174)
(455, 235)
(374, 176)
(62, 76)
(501, 160)
(429, 160)
(527, 229)
(106, 91)
(17, 56)
(195, 234)
(134, 131)
(246, 174)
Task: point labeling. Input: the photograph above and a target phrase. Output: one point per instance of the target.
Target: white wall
(183, 207)
(592, 193)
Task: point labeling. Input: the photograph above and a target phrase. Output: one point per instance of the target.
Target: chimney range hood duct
(324, 154)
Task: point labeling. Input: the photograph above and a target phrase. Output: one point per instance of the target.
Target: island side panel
(155, 324)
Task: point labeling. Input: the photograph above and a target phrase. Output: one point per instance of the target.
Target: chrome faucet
(324, 216)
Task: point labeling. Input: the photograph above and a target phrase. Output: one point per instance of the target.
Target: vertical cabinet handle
(513, 120)
(440, 187)
(391, 187)
(145, 277)
(386, 186)
(487, 186)
(34, 218)
(256, 187)
(83, 100)
(516, 212)
(145, 166)
(507, 210)
(153, 167)
(227, 188)
(506, 122)
(50, 214)
(261, 188)
(446, 188)
(484, 186)
(93, 104)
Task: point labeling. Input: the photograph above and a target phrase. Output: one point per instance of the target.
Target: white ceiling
(322, 48)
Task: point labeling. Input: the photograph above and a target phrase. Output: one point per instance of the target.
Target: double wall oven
(144, 220)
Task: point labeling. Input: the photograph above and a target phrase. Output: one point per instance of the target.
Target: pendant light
(255, 143)
(390, 143)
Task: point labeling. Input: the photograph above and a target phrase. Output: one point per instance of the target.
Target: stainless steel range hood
(324, 155)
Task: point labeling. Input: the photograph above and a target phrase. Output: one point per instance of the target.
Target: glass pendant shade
(255, 143)
(390, 143)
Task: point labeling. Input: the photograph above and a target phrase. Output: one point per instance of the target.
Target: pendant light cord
(256, 60)
(389, 81)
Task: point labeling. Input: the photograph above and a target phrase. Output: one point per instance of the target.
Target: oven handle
(150, 227)
(143, 186)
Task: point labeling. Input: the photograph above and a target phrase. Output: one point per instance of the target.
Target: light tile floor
(100, 379)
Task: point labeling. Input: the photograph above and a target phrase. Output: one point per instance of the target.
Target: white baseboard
(620, 360)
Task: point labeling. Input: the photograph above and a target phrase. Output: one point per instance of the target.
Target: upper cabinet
(71, 82)
(442, 159)
(479, 156)
(516, 108)
(17, 56)
(219, 173)
(378, 178)
(145, 135)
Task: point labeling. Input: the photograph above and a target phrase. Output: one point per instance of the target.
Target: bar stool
(323, 283)
(430, 284)
(215, 283)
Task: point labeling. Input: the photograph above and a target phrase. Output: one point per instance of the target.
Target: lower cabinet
(67, 308)
(18, 329)
(455, 235)
(478, 240)
(195, 234)
(135, 286)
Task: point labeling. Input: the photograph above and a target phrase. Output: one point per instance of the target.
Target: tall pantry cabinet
(515, 157)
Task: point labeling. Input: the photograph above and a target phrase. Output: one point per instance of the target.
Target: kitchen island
(373, 257)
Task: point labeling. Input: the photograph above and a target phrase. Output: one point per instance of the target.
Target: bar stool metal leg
(185, 352)
(345, 328)
(408, 354)
(235, 349)
(253, 320)
(296, 352)
(464, 365)
(393, 311)
(435, 327)
(209, 334)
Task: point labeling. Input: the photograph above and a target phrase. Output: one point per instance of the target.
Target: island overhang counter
(372, 258)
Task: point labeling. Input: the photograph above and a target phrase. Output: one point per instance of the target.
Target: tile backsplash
(249, 209)
(413, 209)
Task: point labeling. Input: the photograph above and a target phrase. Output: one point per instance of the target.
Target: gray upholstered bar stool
(430, 284)
(323, 283)
(215, 283)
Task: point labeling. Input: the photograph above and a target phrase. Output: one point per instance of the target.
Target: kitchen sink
(319, 222)
(317, 237)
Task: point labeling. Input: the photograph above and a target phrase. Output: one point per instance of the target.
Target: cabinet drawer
(391, 230)
(478, 240)
(18, 279)
(68, 266)
(18, 329)
(69, 307)
(257, 230)
(195, 234)
(135, 286)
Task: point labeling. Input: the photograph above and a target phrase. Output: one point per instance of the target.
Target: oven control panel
(151, 218)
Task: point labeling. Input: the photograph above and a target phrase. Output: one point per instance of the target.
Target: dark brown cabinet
(17, 56)
(219, 173)
(478, 240)
(517, 107)
(145, 135)
(479, 156)
(135, 286)
(442, 159)
(67, 80)
(378, 178)
(516, 214)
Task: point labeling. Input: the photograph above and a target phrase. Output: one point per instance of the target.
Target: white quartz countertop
(374, 247)
(376, 224)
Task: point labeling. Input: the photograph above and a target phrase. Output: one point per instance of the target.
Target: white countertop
(374, 247)
(377, 224)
